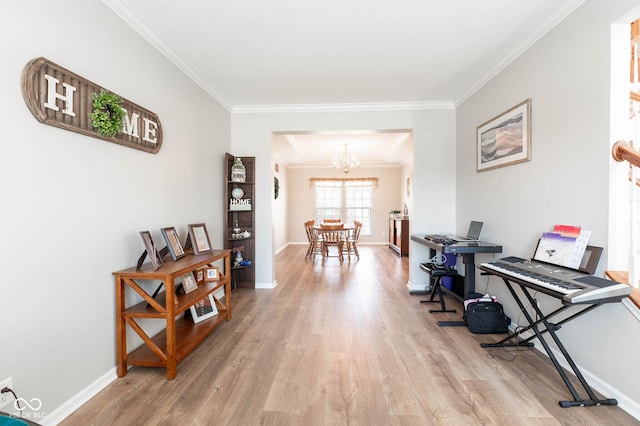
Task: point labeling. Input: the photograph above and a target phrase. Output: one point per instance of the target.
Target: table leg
(121, 337)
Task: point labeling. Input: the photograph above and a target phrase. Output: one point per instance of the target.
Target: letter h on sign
(52, 95)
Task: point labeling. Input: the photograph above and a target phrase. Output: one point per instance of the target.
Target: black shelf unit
(241, 276)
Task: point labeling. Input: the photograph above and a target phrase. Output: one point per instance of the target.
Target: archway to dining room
(299, 158)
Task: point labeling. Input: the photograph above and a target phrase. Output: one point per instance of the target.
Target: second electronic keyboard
(571, 286)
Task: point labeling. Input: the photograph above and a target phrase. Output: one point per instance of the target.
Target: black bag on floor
(486, 317)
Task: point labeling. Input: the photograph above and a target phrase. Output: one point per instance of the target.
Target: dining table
(331, 234)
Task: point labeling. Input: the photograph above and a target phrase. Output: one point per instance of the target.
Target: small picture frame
(203, 309)
(199, 274)
(173, 243)
(152, 252)
(189, 283)
(211, 273)
(199, 238)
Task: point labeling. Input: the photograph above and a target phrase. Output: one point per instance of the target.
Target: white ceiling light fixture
(346, 163)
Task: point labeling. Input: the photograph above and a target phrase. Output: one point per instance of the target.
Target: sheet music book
(565, 246)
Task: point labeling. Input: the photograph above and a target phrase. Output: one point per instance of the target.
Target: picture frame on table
(211, 273)
(199, 238)
(204, 309)
(189, 283)
(150, 247)
(505, 139)
(173, 243)
(199, 275)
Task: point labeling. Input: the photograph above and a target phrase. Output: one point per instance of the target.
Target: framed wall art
(199, 238)
(505, 139)
(173, 243)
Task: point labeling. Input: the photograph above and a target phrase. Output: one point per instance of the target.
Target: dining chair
(313, 238)
(351, 241)
(332, 235)
(332, 220)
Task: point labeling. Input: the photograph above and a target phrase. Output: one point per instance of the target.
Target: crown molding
(142, 27)
(530, 40)
(345, 107)
(135, 21)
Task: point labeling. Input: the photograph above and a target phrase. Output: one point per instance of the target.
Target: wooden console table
(169, 347)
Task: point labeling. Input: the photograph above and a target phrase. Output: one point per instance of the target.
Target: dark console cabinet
(399, 236)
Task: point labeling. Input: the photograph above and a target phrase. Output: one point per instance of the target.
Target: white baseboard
(417, 288)
(266, 286)
(65, 410)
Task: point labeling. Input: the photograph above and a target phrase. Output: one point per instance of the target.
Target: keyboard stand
(551, 328)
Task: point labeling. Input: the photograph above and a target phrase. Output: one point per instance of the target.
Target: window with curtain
(348, 199)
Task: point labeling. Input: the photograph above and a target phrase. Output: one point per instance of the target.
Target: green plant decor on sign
(107, 113)
(276, 188)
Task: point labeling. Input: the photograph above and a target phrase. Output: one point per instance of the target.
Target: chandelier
(346, 163)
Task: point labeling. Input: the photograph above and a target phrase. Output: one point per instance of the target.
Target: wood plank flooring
(343, 345)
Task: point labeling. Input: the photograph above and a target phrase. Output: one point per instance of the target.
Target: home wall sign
(61, 98)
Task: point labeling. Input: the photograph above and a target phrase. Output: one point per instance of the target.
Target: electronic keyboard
(571, 286)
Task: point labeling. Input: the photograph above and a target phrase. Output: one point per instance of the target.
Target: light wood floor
(343, 345)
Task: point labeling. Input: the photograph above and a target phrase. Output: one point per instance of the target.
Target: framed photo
(199, 238)
(203, 309)
(199, 274)
(189, 283)
(211, 273)
(152, 252)
(173, 243)
(506, 139)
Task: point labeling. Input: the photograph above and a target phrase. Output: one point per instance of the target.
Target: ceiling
(341, 55)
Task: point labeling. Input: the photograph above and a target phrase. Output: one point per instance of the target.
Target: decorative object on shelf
(173, 243)
(276, 188)
(243, 204)
(237, 193)
(107, 114)
(150, 249)
(189, 283)
(405, 211)
(238, 259)
(199, 274)
(346, 163)
(505, 139)
(395, 214)
(211, 273)
(237, 233)
(246, 234)
(203, 309)
(60, 98)
(198, 238)
(238, 172)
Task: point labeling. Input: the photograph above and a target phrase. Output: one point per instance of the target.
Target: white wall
(280, 207)
(566, 74)
(433, 173)
(73, 205)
